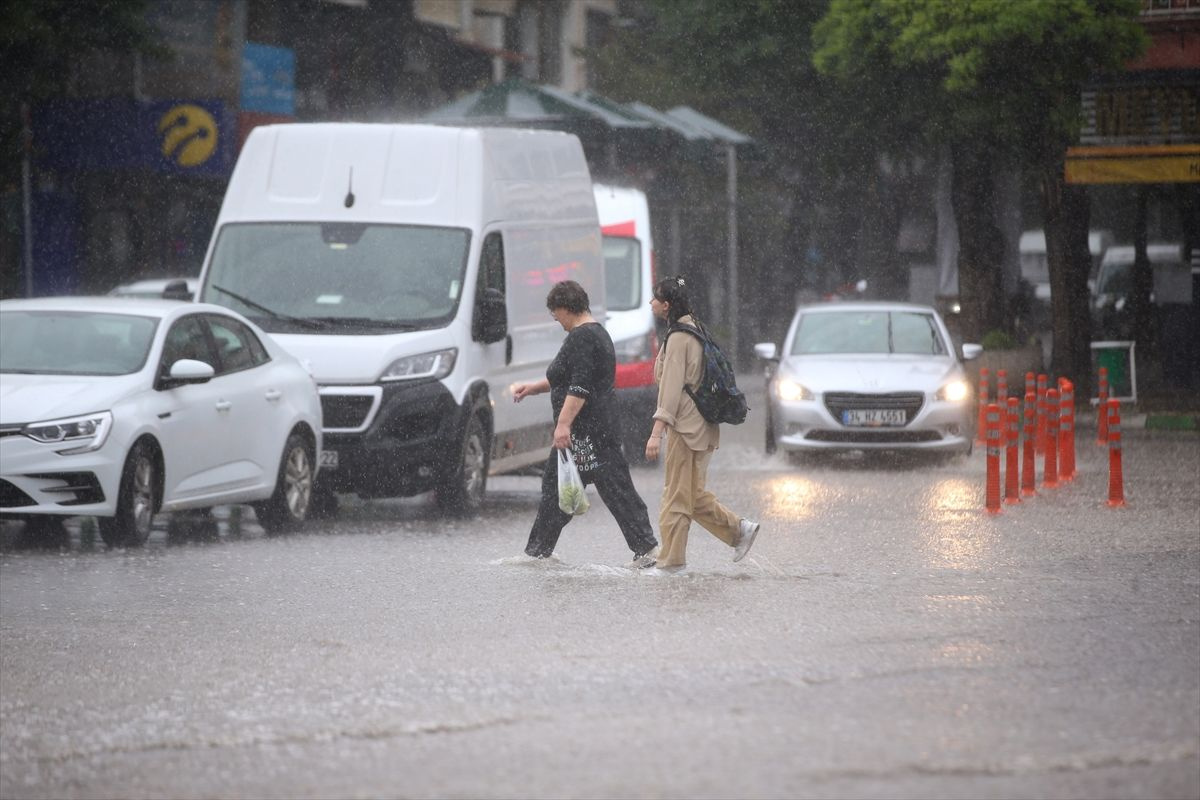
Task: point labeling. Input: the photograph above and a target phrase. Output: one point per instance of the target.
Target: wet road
(885, 637)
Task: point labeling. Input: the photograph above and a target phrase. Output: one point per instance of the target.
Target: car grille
(83, 487)
(909, 402)
(12, 497)
(345, 410)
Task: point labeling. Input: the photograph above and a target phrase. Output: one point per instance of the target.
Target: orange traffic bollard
(1040, 441)
(1029, 461)
(992, 422)
(1002, 389)
(981, 427)
(1116, 478)
(1030, 382)
(1102, 409)
(1066, 430)
(1012, 493)
(1050, 463)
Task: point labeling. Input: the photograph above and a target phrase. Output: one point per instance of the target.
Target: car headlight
(85, 433)
(954, 392)
(788, 389)
(426, 365)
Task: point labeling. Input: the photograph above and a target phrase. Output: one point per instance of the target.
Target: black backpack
(717, 397)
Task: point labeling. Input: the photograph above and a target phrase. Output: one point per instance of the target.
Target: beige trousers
(686, 499)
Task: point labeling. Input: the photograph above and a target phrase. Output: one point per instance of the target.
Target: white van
(408, 266)
(629, 282)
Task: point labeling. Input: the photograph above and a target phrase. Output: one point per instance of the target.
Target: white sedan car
(868, 376)
(118, 408)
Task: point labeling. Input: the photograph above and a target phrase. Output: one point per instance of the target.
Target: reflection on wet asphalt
(885, 637)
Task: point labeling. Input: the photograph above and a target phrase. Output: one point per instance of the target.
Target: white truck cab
(408, 266)
(629, 283)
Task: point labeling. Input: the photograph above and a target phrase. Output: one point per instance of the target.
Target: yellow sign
(1150, 164)
(189, 135)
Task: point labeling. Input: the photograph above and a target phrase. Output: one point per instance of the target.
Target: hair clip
(679, 282)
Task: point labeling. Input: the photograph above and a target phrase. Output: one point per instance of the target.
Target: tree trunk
(1066, 221)
(980, 244)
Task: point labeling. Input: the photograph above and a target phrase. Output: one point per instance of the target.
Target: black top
(586, 366)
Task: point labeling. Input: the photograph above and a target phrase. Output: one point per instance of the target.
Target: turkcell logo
(187, 135)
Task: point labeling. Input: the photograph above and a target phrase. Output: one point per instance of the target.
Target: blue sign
(268, 79)
(187, 137)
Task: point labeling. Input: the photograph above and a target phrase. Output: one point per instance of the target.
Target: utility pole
(732, 300)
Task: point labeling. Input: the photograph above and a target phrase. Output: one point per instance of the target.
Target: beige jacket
(681, 362)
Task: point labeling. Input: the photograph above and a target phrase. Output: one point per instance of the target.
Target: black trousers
(615, 486)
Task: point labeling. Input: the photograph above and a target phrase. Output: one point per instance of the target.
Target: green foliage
(998, 340)
(1002, 72)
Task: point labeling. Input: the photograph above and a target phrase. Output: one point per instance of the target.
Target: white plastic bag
(572, 498)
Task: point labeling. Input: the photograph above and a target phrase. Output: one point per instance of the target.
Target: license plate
(873, 417)
(329, 459)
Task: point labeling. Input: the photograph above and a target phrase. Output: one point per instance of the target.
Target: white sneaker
(645, 560)
(749, 531)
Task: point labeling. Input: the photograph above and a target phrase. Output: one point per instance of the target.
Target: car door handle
(224, 405)
(273, 394)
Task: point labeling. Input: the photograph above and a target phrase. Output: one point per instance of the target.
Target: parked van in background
(629, 281)
(408, 266)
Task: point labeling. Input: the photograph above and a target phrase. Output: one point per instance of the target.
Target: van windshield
(340, 278)
(622, 273)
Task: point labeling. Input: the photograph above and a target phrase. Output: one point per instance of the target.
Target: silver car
(868, 376)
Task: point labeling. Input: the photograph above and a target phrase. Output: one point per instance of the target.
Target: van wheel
(287, 507)
(137, 500)
(460, 491)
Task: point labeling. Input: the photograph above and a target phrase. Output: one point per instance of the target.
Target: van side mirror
(491, 317)
(176, 290)
(971, 351)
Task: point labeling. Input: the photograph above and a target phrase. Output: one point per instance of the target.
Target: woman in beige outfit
(691, 439)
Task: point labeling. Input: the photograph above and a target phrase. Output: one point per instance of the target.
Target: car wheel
(462, 487)
(287, 508)
(137, 500)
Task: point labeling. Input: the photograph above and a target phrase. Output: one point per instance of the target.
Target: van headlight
(85, 433)
(954, 392)
(437, 364)
(788, 390)
(635, 349)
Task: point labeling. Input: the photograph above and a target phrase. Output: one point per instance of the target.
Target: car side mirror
(187, 371)
(972, 351)
(176, 290)
(491, 317)
(766, 351)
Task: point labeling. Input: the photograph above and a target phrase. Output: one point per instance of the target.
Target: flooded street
(885, 637)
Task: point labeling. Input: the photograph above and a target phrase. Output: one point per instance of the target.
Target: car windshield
(868, 332)
(339, 277)
(74, 342)
(622, 273)
(1115, 278)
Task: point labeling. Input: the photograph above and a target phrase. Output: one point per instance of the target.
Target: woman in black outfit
(580, 382)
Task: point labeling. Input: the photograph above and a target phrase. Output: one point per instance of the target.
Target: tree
(822, 207)
(995, 79)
